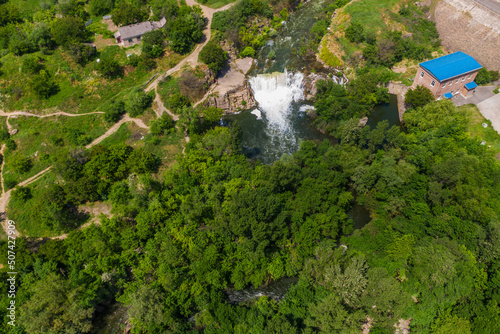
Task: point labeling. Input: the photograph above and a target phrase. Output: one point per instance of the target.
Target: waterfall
(275, 93)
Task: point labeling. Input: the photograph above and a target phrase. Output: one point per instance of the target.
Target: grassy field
(372, 14)
(215, 3)
(40, 138)
(476, 129)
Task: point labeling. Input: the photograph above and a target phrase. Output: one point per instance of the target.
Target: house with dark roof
(448, 75)
(132, 34)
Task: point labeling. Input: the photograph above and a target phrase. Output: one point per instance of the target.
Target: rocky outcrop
(234, 100)
(310, 81)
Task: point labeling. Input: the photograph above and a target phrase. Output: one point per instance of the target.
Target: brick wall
(453, 85)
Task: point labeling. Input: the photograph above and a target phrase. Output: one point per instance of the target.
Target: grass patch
(328, 57)
(40, 138)
(370, 13)
(215, 3)
(476, 129)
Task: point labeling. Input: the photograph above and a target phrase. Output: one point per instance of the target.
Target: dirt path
(59, 113)
(160, 108)
(192, 59)
(115, 127)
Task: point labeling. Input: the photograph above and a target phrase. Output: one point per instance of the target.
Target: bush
(101, 7)
(109, 67)
(483, 77)
(161, 126)
(81, 53)
(9, 181)
(248, 52)
(43, 85)
(137, 102)
(22, 194)
(127, 13)
(11, 145)
(32, 65)
(213, 55)
(114, 111)
(4, 134)
(68, 30)
(418, 97)
(21, 164)
(153, 43)
(355, 33)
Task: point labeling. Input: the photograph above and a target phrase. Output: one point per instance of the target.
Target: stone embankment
(468, 26)
(399, 90)
(232, 92)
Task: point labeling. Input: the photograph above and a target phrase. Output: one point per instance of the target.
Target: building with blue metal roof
(451, 74)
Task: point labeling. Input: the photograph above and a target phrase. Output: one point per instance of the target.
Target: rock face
(234, 100)
(310, 84)
(310, 81)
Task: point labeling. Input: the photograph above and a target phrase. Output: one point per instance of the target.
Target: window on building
(130, 41)
(452, 92)
(439, 96)
(433, 83)
(422, 74)
(139, 38)
(444, 84)
(469, 76)
(451, 82)
(456, 81)
(463, 78)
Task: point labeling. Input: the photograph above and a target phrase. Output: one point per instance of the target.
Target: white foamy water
(275, 94)
(306, 107)
(257, 113)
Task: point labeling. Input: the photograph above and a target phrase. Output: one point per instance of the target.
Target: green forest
(217, 222)
(193, 221)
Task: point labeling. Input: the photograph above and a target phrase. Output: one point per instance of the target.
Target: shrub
(11, 145)
(483, 77)
(161, 126)
(418, 97)
(43, 85)
(127, 13)
(213, 55)
(355, 33)
(137, 102)
(4, 134)
(248, 52)
(101, 7)
(153, 43)
(21, 164)
(114, 111)
(22, 193)
(109, 67)
(9, 181)
(32, 65)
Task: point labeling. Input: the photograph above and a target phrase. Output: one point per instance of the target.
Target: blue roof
(451, 65)
(471, 85)
(448, 95)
